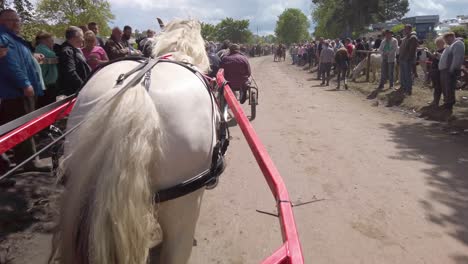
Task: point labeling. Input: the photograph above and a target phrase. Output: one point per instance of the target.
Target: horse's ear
(161, 23)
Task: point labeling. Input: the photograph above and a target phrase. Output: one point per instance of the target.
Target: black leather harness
(143, 71)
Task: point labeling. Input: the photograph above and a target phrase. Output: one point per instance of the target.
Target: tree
(209, 31)
(398, 28)
(292, 26)
(270, 39)
(236, 31)
(26, 12)
(461, 31)
(63, 13)
(341, 17)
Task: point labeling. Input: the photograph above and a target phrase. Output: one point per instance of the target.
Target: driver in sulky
(236, 71)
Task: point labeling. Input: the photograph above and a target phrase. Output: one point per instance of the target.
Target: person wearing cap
(407, 58)
(236, 70)
(388, 48)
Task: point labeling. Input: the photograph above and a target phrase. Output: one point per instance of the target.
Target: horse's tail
(107, 213)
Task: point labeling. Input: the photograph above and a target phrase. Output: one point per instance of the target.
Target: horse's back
(185, 111)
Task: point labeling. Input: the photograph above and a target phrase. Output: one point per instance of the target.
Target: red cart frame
(289, 253)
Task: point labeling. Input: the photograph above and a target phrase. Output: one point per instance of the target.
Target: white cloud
(261, 13)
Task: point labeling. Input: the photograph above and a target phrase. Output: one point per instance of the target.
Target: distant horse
(280, 53)
(129, 147)
(375, 65)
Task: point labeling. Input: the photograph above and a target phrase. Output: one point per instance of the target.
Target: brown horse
(280, 53)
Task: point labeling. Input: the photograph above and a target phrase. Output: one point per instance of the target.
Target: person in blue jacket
(20, 82)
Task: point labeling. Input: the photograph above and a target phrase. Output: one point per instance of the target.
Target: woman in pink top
(94, 54)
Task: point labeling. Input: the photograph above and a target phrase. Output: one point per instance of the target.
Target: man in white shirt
(327, 57)
(450, 65)
(388, 49)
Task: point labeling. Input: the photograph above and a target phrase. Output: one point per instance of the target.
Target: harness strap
(190, 185)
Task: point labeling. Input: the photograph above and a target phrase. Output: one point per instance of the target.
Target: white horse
(128, 148)
(375, 65)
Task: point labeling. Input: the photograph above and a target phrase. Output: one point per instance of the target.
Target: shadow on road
(448, 176)
(30, 201)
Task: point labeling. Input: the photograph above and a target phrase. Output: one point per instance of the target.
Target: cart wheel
(253, 104)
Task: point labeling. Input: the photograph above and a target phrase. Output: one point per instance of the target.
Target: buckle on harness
(121, 78)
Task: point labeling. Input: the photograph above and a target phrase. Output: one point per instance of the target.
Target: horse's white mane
(182, 38)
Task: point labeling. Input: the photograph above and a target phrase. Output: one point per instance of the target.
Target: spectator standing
(338, 44)
(450, 65)
(127, 34)
(95, 55)
(114, 47)
(377, 42)
(146, 44)
(360, 47)
(224, 49)
(342, 64)
(366, 43)
(327, 57)
(214, 60)
(94, 27)
(20, 82)
(388, 49)
(44, 46)
(435, 73)
(407, 58)
(350, 49)
(311, 52)
(300, 55)
(371, 43)
(317, 56)
(294, 54)
(73, 69)
(319, 50)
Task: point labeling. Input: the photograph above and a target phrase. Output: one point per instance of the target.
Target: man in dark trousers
(236, 70)
(73, 69)
(20, 82)
(407, 58)
(450, 65)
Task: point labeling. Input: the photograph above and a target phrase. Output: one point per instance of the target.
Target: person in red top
(236, 70)
(349, 47)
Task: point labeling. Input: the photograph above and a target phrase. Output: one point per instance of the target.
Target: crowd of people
(398, 52)
(33, 74)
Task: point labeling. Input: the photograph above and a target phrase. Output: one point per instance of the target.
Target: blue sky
(141, 14)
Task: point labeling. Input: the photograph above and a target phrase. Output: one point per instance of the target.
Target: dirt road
(395, 188)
